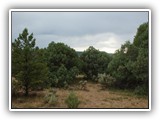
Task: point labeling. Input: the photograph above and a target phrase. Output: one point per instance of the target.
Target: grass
(127, 93)
(29, 102)
(93, 97)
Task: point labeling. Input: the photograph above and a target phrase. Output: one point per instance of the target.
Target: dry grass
(93, 97)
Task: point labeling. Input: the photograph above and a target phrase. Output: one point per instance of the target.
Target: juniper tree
(62, 63)
(130, 63)
(94, 62)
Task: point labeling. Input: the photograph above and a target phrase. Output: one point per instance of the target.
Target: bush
(72, 101)
(141, 90)
(50, 97)
(83, 84)
(106, 80)
(16, 86)
(63, 77)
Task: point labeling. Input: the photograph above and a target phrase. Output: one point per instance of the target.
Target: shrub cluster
(72, 101)
(50, 97)
(63, 77)
(105, 80)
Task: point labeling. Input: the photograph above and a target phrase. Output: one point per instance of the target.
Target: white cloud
(108, 42)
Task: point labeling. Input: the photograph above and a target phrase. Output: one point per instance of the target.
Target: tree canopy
(62, 64)
(130, 64)
(94, 62)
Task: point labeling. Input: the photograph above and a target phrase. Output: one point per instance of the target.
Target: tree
(120, 66)
(94, 62)
(40, 69)
(62, 64)
(141, 38)
(141, 65)
(130, 63)
(26, 65)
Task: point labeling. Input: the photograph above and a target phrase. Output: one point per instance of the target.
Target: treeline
(58, 64)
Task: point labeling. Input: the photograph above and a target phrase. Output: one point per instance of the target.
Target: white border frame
(69, 10)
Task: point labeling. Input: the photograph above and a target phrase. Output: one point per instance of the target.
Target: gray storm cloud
(105, 31)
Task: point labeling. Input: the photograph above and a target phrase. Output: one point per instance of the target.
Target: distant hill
(111, 54)
(79, 53)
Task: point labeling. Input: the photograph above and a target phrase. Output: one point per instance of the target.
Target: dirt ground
(92, 97)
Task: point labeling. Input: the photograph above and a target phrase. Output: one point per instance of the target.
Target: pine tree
(26, 67)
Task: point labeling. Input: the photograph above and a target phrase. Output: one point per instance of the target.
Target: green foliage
(62, 62)
(106, 80)
(141, 65)
(118, 68)
(130, 63)
(63, 77)
(72, 101)
(141, 90)
(141, 38)
(58, 54)
(94, 62)
(26, 65)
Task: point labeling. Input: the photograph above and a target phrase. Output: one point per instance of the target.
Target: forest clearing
(92, 97)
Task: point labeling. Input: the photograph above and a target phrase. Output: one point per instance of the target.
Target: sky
(105, 31)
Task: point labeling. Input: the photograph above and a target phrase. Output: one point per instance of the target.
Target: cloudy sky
(105, 31)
